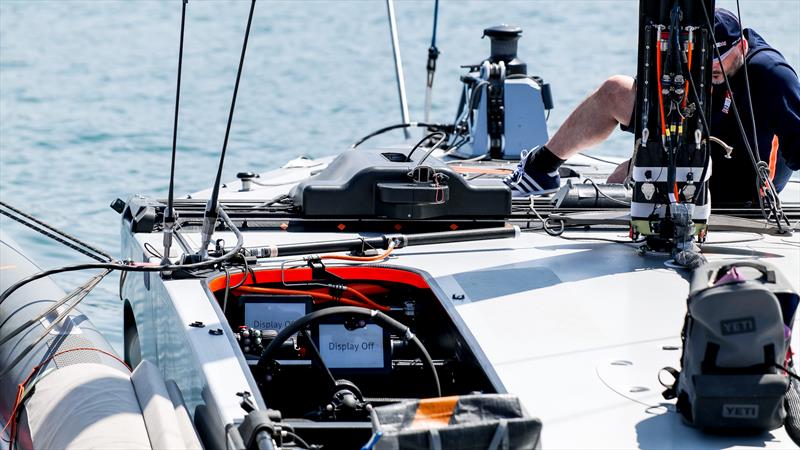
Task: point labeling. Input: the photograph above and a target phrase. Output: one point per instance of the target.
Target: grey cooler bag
(736, 339)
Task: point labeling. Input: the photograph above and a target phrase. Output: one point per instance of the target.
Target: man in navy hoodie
(775, 92)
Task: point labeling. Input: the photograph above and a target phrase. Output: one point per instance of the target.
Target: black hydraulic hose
(435, 126)
(382, 242)
(315, 354)
(435, 145)
(382, 319)
(128, 267)
(425, 139)
(54, 233)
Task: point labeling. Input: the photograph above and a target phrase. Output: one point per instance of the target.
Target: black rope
(755, 158)
(747, 79)
(54, 233)
(788, 371)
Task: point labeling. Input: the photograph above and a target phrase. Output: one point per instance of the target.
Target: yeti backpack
(736, 353)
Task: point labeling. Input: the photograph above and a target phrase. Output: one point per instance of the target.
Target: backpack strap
(671, 390)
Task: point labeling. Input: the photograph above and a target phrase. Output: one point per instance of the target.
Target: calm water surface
(87, 91)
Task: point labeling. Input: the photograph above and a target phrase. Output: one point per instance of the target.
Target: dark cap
(727, 30)
(503, 32)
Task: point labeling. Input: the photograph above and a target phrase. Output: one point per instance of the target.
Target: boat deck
(578, 325)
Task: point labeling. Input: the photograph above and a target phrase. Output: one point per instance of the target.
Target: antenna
(433, 54)
(398, 66)
(212, 214)
(169, 213)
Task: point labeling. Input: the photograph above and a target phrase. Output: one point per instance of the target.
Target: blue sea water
(87, 92)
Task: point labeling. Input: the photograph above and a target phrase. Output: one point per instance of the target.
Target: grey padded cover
(86, 406)
(187, 430)
(157, 408)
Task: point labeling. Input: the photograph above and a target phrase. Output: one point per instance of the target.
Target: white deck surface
(577, 329)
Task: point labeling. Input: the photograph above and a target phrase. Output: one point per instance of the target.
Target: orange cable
(365, 302)
(658, 79)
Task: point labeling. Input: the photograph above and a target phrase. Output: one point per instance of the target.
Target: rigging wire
(79, 293)
(770, 190)
(764, 183)
(600, 159)
(83, 291)
(169, 214)
(212, 208)
(747, 79)
(130, 266)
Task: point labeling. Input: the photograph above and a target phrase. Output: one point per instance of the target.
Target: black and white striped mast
(398, 66)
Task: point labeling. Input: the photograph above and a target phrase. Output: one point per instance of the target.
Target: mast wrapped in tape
(671, 165)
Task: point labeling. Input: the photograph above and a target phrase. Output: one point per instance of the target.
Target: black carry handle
(767, 274)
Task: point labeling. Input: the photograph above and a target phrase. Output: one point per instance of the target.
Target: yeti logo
(740, 411)
(738, 326)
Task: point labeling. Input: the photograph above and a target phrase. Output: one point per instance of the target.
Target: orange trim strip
(773, 156)
(347, 273)
(434, 412)
(464, 169)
